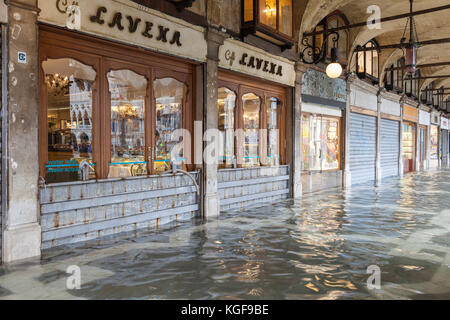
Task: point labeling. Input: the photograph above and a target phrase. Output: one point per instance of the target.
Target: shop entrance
(409, 147)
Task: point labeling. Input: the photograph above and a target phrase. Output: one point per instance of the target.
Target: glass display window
(434, 142)
(111, 112)
(409, 141)
(128, 92)
(251, 122)
(321, 142)
(226, 104)
(273, 106)
(69, 95)
(170, 96)
(251, 109)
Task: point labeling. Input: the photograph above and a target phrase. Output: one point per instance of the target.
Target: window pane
(342, 46)
(408, 142)
(251, 106)
(273, 143)
(268, 13)
(69, 119)
(318, 40)
(361, 62)
(434, 143)
(226, 104)
(369, 69)
(312, 144)
(375, 64)
(248, 10)
(128, 93)
(286, 17)
(332, 23)
(170, 95)
(330, 147)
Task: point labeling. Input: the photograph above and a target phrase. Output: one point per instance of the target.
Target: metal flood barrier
(78, 212)
(241, 188)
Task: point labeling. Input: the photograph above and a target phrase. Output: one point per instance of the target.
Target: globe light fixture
(334, 69)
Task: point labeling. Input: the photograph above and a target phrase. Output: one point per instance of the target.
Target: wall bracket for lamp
(309, 54)
(181, 4)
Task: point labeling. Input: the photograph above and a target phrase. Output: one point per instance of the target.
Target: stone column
(22, 232)
(297, 141)
(346, 175)
(400, 156)
(211, 200)
(378, 174)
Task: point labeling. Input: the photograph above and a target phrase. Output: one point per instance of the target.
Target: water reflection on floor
(316, 248)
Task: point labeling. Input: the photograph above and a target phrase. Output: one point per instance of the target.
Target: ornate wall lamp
(309, 55)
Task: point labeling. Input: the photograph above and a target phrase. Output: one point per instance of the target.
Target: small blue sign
(22, 57)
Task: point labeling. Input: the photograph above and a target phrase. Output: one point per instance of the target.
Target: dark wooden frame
(242, 85)
(253, 27)
(365, 75)
(104, 56)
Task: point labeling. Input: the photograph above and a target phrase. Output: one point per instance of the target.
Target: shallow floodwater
(316, 248)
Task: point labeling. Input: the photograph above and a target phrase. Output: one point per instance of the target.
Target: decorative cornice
(391, 96)
(21, 5)
(364, 86)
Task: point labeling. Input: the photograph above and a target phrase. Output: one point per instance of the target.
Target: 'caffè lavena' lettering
(261, 64)
(162, 34)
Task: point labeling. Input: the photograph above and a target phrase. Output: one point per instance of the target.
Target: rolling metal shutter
(362, 148)
(389, 147)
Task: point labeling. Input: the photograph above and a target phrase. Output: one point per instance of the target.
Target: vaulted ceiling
(430, 26)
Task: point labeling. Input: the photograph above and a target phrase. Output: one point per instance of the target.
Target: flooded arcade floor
(316, 248)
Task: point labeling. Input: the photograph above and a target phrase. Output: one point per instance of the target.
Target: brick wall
(80, 212)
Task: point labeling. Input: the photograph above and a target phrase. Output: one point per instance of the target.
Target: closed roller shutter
(362, 148)
(389, 147)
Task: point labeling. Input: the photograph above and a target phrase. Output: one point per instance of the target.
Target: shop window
(69, 86)
(273, 106)
(367, 62)
(251, 108)
(226, 105)
(273, 20)
(251, 123)
(321, 143)
(409, 146)
(170, 96)
(128, 95)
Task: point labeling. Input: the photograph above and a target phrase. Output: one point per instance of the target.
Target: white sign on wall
(127, 22)
(444, 123)
(238, 56)
(424, 118)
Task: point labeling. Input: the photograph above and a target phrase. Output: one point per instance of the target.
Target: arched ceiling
(430, 26)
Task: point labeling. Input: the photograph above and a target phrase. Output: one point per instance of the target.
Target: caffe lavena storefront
(254, 99)
(110, 116)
